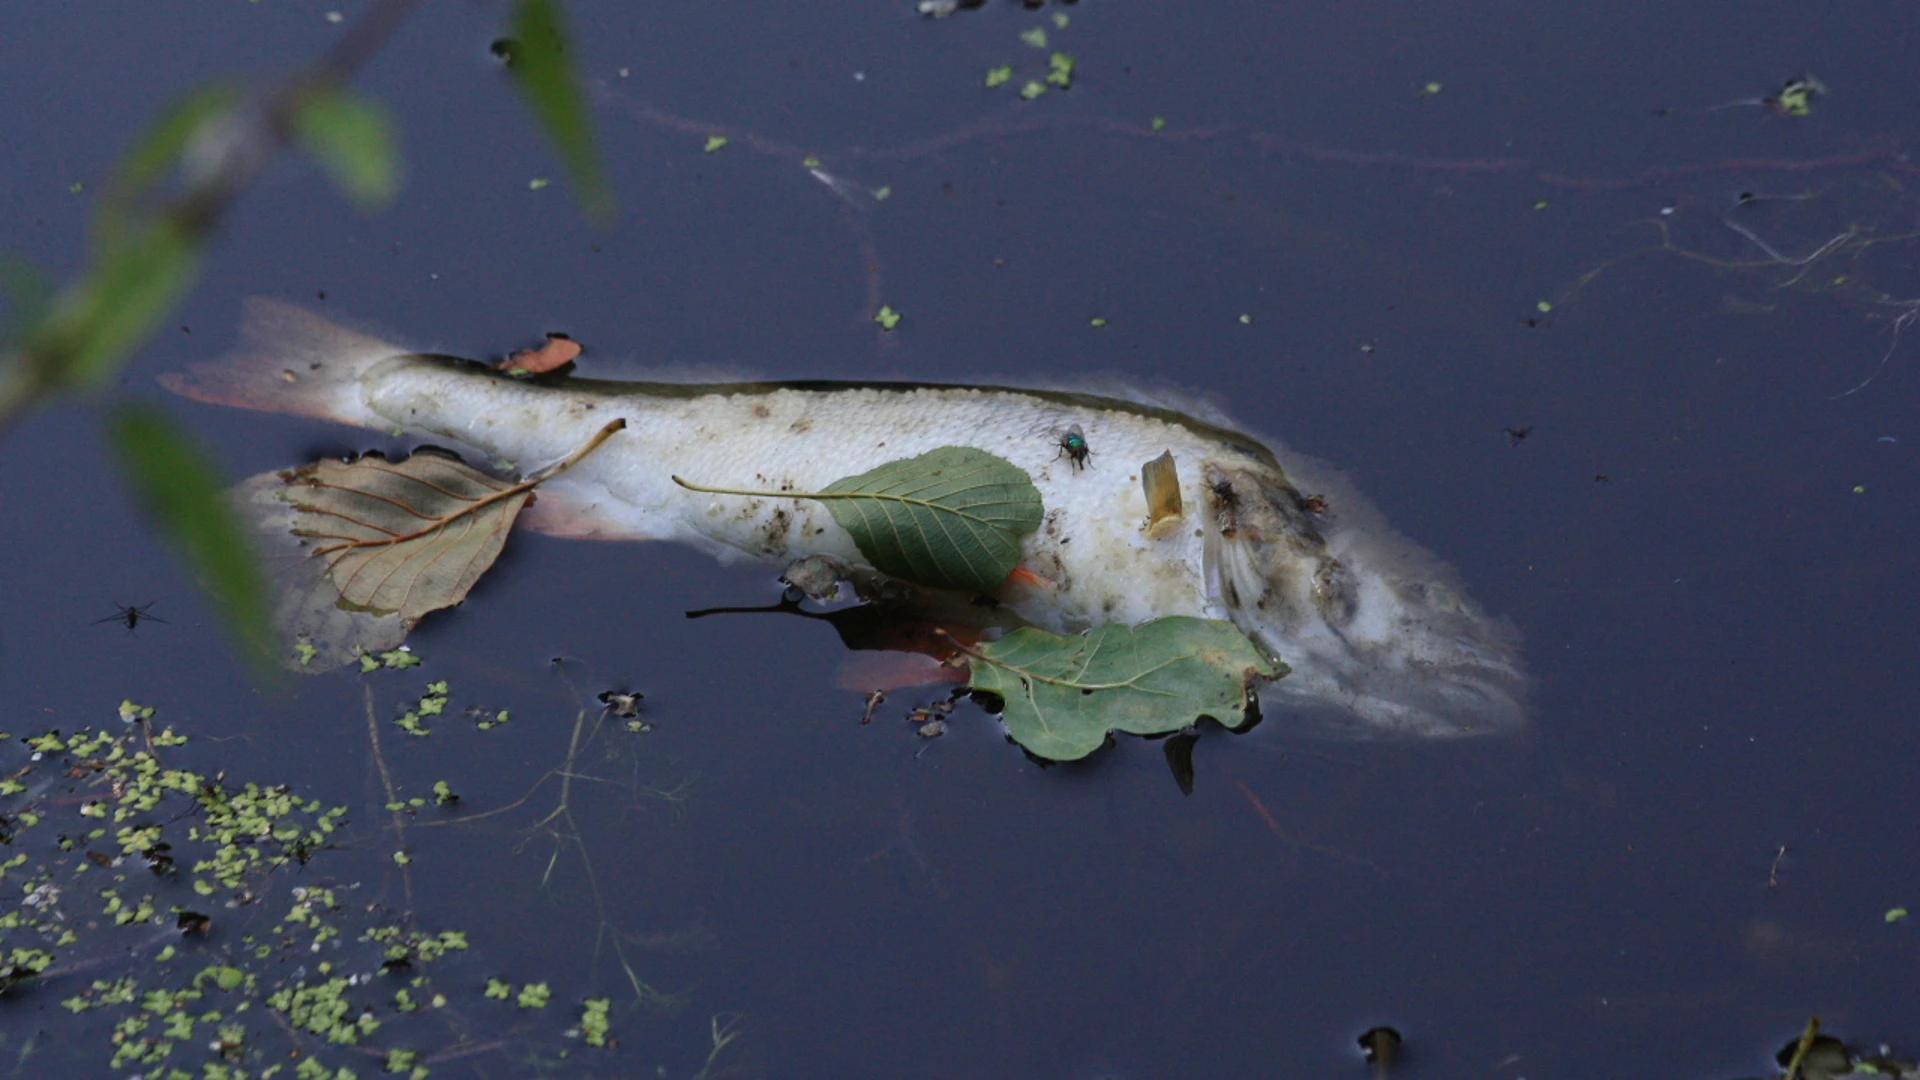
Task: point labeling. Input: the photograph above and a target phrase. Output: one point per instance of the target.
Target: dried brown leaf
(381, 543)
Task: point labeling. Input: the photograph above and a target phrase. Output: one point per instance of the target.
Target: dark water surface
(1721, 629)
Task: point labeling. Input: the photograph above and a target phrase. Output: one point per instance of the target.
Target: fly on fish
(1073, 446)
(1379, 636)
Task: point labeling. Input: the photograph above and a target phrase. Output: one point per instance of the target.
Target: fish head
(1379, 636)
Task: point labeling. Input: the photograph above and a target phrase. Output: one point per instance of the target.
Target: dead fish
(1376, 630)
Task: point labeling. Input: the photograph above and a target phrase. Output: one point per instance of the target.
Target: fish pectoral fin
(577, 512)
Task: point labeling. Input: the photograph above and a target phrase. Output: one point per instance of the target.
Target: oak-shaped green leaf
(951, 518)
(1064, 694)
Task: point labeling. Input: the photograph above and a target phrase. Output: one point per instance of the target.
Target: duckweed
(113, 849)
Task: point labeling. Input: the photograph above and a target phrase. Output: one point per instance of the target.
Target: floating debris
(559, 351)
(816, 577)
(1382, 1048)
(623, 704)
(1795, 96)
(1160, 480)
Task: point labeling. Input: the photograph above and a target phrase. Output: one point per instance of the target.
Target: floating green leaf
(951, 518)
(353, 138)
(999, 75)
(886, 317)
(538, 62)
(714, 142)
(180, 487)
(1064, 694)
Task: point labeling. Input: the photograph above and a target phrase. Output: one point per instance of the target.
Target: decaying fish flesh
(1375, 629)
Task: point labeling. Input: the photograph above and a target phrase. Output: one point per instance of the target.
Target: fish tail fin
(289, 360)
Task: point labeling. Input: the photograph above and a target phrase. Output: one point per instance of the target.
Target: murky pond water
(1552, 286)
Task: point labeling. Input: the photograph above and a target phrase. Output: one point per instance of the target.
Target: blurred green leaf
(28, 294)
(181, 489)
(537, 60)
(105, 315)
(154, 156)
(353, 138)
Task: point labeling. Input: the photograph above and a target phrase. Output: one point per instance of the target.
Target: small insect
(1073, 446)
(132, 616)
(1515, 434)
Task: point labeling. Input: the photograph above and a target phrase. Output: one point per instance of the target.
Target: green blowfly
(1073, 446)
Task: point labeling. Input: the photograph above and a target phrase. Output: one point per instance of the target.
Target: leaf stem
(1026, 673)
(573, 459)
(824, 496)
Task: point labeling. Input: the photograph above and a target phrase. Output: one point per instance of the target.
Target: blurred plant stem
(170, 193)
(141, 269)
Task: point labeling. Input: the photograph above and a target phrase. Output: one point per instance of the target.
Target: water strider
(1375, 629)
(131, 614)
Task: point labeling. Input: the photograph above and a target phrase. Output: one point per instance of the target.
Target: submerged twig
(1807, 1036)
(1899, 324)
(726, 1028)
(386, 783)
